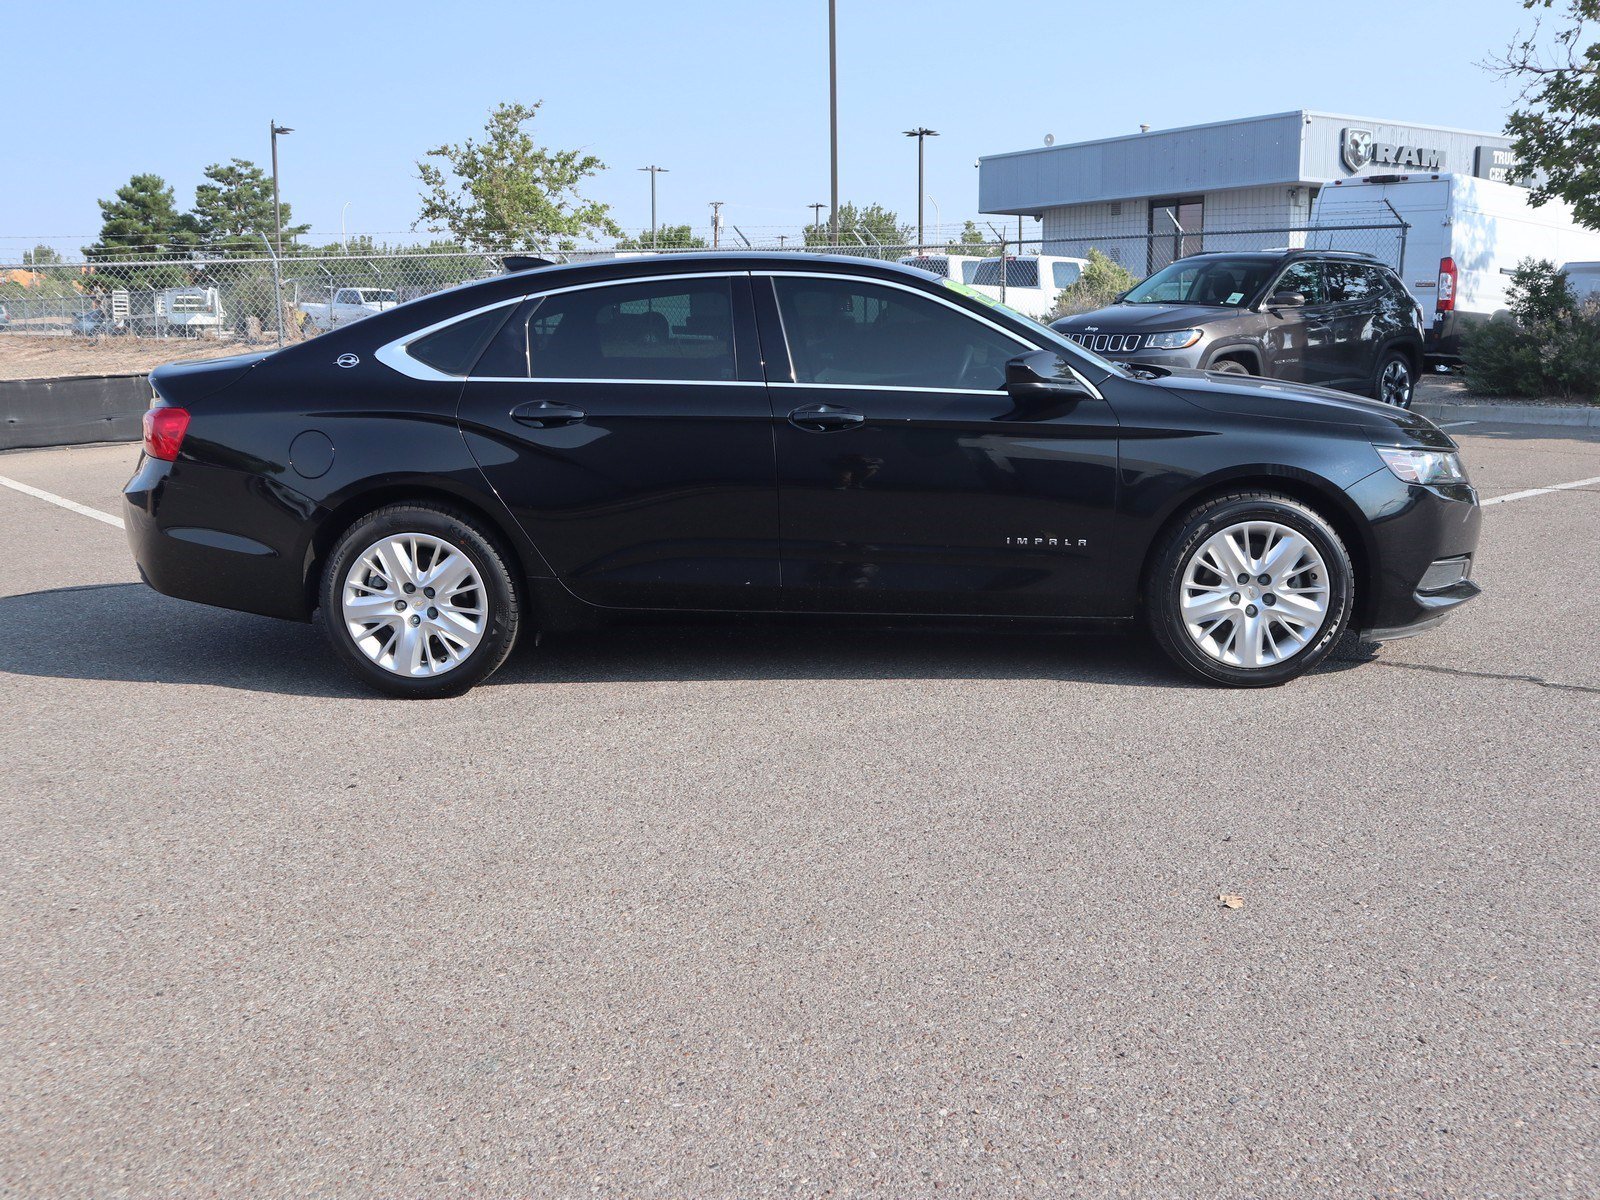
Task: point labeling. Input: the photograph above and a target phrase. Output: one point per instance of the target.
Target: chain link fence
(110, 317)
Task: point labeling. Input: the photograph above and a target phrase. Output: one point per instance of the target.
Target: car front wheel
(419, 601)
(1250, 590)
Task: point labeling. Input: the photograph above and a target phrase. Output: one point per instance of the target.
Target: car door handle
(546, 414)
(824, 418)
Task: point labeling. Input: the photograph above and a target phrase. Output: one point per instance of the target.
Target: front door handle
(546, 414)
(824, 418)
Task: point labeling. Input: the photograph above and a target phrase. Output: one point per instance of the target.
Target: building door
(1175, 225)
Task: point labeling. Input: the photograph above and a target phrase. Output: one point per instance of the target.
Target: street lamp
(654, 171)
(833, 117)
(920, 134)
(277, 206)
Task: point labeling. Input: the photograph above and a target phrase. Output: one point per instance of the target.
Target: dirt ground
(55, 357)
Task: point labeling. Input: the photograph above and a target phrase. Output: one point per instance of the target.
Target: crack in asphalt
(1465, 674)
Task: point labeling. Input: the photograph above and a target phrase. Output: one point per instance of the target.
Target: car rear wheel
(419, 602)
(1250, 589)
(1395, 381)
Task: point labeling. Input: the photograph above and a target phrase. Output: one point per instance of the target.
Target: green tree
(1099, 284)
(140, 222)
(1555, 129)
(507, 191)
(667, 237)
(1549, 345)
(862, 230)
(233, 209)
(972, 242)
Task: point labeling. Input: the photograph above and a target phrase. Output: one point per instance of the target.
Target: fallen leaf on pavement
(1231, 901)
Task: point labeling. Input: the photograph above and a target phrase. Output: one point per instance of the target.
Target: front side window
(1305, 278)
(664, 329)
(1219, 282)
(845, 331)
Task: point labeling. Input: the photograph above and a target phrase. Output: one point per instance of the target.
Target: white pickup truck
(349, 304)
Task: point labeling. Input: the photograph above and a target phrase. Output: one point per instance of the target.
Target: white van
(1466, 236)
(955, 267)
(1584, 280)
(1033, 281)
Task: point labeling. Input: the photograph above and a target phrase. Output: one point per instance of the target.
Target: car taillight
(163, 432)
(1445, 297)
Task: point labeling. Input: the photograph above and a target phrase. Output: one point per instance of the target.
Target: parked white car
(1466, 236)
(958, 268)
(1032, 281)
(349, 304)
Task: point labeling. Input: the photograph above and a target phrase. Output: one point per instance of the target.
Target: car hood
(1249, 396)
(1148, 318)
(196, 378)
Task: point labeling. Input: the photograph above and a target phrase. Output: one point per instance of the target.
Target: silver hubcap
(1395, 386)
(1254, 594)
(414, 604)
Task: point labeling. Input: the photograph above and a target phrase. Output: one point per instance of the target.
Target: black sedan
(779, 433)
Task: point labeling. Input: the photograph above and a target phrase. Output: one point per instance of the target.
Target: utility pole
(816, 210)
(654, 171)
(277, 205)
(921, 134)
(833, 117)
(716, 223)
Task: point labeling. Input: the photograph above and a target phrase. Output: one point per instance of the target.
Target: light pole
(654, 171)
(921, 134)
(833, 117)
(277, 205)
(342, 212)
(716, 222)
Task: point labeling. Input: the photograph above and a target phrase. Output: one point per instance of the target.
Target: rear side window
(1064, 275)
(1020, 272)
(1348, 282)
(663, 329)
(455, 348)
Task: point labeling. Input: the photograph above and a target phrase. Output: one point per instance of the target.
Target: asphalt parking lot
(745, 912)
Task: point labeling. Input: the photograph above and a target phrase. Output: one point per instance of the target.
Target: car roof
(722, 260)
(1284, 255)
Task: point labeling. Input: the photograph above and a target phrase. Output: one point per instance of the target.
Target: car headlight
(1423, 466)
(1175, 339)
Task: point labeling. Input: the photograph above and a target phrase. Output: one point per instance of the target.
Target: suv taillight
(1445, 300)
(163, 431)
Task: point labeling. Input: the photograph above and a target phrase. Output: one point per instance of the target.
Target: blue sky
(732, 97)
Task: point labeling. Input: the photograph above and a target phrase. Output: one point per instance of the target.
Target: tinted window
(1064, 275)
(455, 348)
(845, 331)
(1349, 282)
(664, 329)
(1305, 278)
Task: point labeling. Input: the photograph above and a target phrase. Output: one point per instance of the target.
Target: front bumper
(1415, 529)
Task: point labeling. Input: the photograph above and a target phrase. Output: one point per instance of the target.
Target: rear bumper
(180, 553)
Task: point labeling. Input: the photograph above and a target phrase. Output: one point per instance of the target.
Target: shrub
(1102, 281)
(1546, 345)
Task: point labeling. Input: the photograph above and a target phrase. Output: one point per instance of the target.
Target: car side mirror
(1287, 300)
(1043, 375)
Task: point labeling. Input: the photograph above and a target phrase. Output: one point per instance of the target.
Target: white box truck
(1466, 236)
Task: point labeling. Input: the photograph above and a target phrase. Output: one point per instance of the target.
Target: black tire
(1228, 366)
(1395, 379)
(1163, 589)
(501, 592)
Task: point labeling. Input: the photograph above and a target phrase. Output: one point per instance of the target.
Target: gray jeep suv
(1335, 319)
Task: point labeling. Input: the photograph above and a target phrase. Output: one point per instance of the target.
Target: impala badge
(1049, 543)
(348, 360)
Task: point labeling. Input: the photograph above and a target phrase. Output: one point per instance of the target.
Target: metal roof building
(1254, 173)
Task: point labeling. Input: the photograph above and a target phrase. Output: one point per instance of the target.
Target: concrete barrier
(70, 412)
(1509, 412)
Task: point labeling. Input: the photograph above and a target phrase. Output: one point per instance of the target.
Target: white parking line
(61, 501)
(1559, 487)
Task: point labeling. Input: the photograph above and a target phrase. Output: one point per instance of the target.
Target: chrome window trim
(396, 354)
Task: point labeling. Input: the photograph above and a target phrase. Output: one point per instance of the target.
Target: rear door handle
(546, 414)
(824, 418)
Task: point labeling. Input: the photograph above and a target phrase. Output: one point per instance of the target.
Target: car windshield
(1218, 282)
(369, 297)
